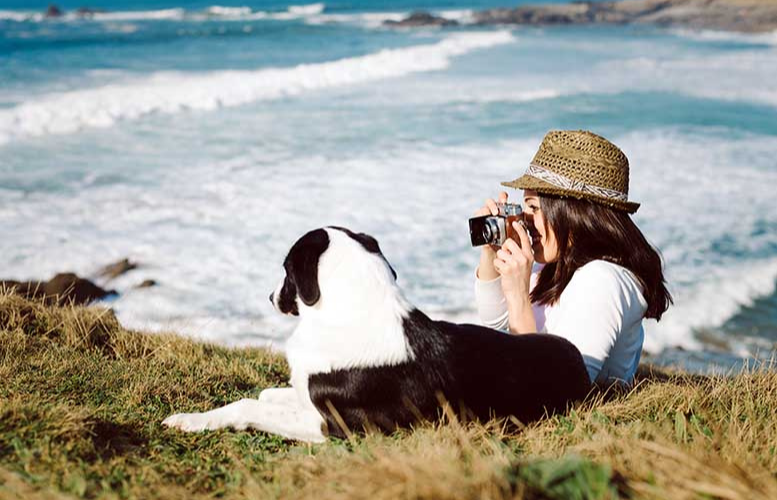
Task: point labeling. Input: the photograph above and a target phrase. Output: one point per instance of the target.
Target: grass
(81, 401)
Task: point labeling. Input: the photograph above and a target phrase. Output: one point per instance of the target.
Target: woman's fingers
(515, 251)
(523, 235)
(491, 205)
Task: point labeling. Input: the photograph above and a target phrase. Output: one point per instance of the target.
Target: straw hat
(582, 165)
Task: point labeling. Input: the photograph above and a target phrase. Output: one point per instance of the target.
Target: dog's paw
(189, 422)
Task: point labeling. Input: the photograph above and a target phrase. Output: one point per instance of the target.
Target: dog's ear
(302, 264)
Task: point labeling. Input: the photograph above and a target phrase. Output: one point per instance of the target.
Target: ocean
(201, 140)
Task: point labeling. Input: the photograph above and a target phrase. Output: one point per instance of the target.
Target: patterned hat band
(563, 182)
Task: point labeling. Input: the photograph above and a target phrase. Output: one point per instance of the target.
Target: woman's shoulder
(606, 275)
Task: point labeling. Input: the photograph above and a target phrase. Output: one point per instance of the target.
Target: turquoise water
(202, 140)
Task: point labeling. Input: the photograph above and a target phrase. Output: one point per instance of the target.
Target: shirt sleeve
(492, 306)
(491, 303)
(592, 311)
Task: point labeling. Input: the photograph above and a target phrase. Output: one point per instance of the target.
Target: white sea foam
(174, 92)
(223, 13)
(140, 15)
(307, 10)
(718, 76)
(20, 16)
(174, 218)
(218, 10)
(710, 302)
(365, 19)
(769, 38)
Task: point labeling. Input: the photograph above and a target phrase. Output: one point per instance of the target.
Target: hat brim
(542, 187)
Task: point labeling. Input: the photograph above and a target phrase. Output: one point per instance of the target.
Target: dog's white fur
(358, 290)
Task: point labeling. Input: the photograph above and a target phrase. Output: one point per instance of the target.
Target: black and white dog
(363, 357)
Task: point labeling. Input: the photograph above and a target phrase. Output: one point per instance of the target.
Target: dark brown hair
(587, 231)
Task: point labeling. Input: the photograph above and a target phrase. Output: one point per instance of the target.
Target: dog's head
(332, 260)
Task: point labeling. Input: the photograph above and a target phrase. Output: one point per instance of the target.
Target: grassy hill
(82, 399)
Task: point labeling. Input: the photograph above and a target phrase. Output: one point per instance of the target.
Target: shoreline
(740, 16)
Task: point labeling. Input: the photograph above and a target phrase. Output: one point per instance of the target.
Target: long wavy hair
(587, 231)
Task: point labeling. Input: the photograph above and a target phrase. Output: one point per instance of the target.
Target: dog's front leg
(285, 396)
(291, 422)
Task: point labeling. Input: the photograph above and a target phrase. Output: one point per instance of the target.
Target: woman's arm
(491, 303)
(502, 280)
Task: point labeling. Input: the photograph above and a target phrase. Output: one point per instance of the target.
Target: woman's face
(544, 241)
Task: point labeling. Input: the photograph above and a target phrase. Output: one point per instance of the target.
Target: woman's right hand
(486, 270)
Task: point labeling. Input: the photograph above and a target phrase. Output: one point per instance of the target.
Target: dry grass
(81, 401)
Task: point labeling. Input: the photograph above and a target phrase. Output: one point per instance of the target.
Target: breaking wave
(169, 92)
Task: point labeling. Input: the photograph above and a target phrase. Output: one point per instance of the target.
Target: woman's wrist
(520, 314)
(486, 270)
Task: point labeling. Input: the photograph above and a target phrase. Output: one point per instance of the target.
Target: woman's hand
(514, 263)
(486, 269)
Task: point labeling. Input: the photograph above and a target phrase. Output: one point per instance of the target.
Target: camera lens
(491, 231)
(487, 236)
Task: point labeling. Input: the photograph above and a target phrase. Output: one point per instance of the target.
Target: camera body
(495, 229)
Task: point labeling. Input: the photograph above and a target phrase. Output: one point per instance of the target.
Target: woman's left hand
(514, 263)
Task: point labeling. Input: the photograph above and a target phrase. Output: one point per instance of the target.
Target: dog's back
(525, 376)
(485, 372)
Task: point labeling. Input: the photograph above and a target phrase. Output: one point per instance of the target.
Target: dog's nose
(271, 297)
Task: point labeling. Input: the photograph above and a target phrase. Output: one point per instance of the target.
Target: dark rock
(116, 269)
(420, 18)
(146, 284)
(54, 11)
(64, 288)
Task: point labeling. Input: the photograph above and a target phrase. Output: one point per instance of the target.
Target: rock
(88, 12)
(116, 269)
(54, 11)
(420, 18)
(64, 288)
(732, 15)
(70, 288)
(577, 13)
(146, 284)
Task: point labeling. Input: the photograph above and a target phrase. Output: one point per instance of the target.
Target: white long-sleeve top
(600, 311)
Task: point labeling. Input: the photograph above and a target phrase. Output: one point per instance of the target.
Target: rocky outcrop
(421, 19)
(53, 11)
(750, 16)
(116, 269)
(146, 284)
(68, 288)
(64, 288)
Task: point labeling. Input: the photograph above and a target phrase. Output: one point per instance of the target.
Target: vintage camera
(495, 229)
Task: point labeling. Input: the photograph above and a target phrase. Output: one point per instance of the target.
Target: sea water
(202, 139)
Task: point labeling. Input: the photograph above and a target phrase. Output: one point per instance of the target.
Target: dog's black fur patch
(479, 371)
(301, 265)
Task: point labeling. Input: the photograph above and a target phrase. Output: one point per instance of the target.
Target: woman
(596, 276)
